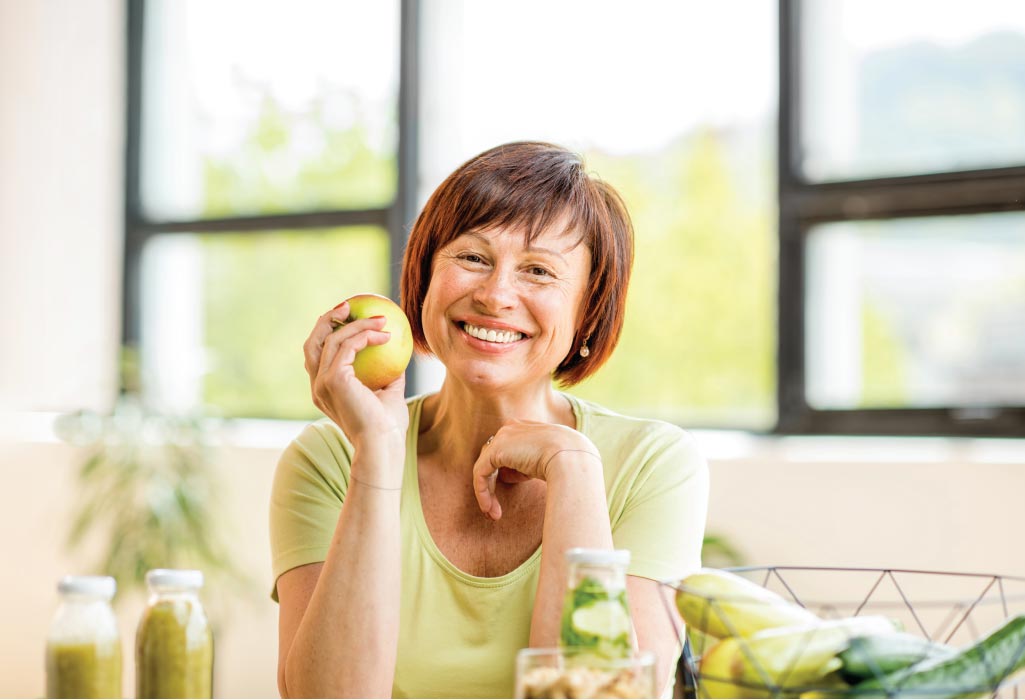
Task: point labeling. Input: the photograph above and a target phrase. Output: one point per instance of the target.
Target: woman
(432, 576)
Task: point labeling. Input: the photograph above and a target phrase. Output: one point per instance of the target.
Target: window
(690, 149)
(902, 230)
(265, 155)
(267, 149)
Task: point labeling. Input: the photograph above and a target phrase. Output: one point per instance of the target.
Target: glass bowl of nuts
(567, 672)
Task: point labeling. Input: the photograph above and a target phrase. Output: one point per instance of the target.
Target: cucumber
(878, 655)
(973, 671)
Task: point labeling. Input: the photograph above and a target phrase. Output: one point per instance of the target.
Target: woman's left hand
(525, 450)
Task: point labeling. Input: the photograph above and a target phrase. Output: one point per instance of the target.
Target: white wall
(34, 514)
(61, 146)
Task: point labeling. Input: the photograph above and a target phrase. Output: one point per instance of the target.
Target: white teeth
(491, 335)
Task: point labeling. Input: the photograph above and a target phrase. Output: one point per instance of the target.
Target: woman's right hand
(364, 415)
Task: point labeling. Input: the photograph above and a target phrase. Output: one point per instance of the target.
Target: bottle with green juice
(174, 651)
(596, 615)
(83, 646)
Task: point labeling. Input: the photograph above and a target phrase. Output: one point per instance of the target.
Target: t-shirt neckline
(413, 502)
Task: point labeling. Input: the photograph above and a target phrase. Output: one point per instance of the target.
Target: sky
(641, 73)
(592, 74)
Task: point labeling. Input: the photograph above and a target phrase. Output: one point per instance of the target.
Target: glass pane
(916, 313)
(693, 157)
(225, 315)
(293, 110)
(894, 88)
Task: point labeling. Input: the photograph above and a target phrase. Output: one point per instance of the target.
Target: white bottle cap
(174, 578)
(598, 557)
(99, 586)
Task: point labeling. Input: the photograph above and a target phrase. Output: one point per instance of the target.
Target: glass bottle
(83, 646)
(595, 614)
(174, 649)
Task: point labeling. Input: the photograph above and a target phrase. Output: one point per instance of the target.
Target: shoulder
(324, 448)
(635, 444)
(598, 421)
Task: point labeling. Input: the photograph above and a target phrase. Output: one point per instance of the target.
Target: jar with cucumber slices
(595, 615)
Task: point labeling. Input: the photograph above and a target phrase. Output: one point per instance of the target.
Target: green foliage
(698, 341)
(262, 295)
(883, 360)
(698, 344)
(299, 162)
(718, 552)
(147, 491)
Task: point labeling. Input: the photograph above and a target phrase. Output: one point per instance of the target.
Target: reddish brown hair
(530, 185)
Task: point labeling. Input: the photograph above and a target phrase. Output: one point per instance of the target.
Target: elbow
(291, 682)
(282, 685)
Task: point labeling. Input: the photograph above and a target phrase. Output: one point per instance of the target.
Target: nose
(496, 292)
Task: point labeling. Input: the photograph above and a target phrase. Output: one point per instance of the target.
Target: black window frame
(804, 204)
(397, 217)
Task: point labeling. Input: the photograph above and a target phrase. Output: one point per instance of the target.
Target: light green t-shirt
(459, 634)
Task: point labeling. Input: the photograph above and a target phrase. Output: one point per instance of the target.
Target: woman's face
(499, 314)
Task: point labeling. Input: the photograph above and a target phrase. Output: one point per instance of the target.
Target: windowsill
(37, 427)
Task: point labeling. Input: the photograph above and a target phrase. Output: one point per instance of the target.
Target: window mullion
(912, 196)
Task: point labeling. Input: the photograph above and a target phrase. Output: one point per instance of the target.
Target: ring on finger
(489, 441)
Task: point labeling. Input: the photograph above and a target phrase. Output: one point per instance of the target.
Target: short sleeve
(309, 487)
(663, 520)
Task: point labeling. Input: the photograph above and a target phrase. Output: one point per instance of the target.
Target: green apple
(379, 365)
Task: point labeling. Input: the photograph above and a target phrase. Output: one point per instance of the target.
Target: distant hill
(922, 102)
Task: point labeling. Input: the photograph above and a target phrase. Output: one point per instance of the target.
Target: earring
(584, 350)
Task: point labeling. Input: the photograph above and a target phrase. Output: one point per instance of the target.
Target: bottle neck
(610, 577)
(165, 591)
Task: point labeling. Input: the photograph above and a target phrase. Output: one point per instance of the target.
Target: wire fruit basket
(951, 616)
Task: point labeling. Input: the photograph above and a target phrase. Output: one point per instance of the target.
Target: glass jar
(596, 615)
(83, 646)
(174, 651)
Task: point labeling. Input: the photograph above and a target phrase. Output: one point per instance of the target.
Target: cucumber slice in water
(603, 618)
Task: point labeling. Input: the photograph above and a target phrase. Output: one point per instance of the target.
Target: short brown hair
(531, 184)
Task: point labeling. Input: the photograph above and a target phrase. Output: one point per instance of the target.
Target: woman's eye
(472, 258)
(540, 272)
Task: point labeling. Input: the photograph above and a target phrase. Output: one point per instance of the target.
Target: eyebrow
(532, 249)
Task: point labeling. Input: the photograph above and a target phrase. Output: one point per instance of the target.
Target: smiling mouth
(491, 335)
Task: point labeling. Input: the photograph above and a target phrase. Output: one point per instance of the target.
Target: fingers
(332, 346)
(511, 476)
(485, 475)
(397, 388)
(324, 326)
(341, 346)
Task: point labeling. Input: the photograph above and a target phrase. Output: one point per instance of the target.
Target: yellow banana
(781, 661)
(723, 604)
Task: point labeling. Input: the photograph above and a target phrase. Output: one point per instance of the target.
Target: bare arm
(576, 515)
(576, 511)
(339, 631)
(338, 625)
(654, 627)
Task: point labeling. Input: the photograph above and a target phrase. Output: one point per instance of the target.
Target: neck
(459, 419)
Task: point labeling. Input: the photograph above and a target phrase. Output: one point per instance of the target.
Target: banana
(781, 661)
(723, 604)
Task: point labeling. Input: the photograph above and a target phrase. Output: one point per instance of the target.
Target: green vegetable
(973, 671)
(878, 655)
(782, 659)
(589, 620)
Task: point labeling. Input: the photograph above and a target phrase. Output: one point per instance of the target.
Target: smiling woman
(432, 510)
(537, 191)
